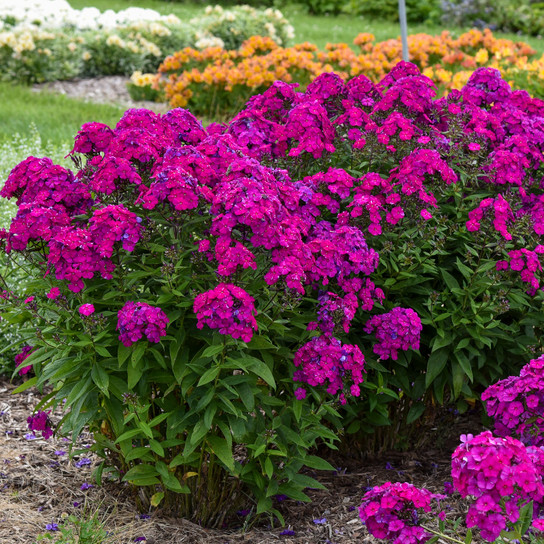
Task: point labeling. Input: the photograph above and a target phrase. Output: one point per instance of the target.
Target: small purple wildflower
(280, 498)
(287, 532)
(83, 461)
(76, 504)
(52, 527)
(140, 539)
(389, 466)
(145, 516)
(60, 452)
(85, 486)
(321, 521)
(30, 436)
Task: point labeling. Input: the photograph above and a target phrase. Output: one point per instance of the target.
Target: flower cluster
(40, 422)
(517, 404)
(392, 512)
(398, 329)
(136, 319)
(500, 475)
(46, 41)
(227, 308)
(19, 359)
(196, 77)
(324, 360)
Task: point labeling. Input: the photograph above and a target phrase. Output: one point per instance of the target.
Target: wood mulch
(41, 485)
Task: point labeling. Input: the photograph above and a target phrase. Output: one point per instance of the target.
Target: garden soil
(41, 485)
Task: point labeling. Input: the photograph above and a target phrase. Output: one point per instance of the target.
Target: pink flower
(426, 214)
(54, 293)
(86, 309)
(29, 300)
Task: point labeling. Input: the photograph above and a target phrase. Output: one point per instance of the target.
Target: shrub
(44, 44)
(214, 283)
(525, 16)
(218, 82)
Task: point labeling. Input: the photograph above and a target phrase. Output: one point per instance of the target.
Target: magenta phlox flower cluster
(335, 312)
(276, 102)
(392, 512)
(173, 184)
(113, 224)
(20, 358)
(113, 173)
(139, 319)
(92, 138)
(485, 87)
(340, 250)
(517, 404)
(35, 223)
(136, 145)
(399, 329)
(309, 125)
(76, 257)
(414, 170)
(182, 127)
(324, 189)
(329, 89)
(230, 254)
(40, 422)
(41, 183)
(362, 92)
(227, 308)
(502, 215)
(412, 94)
(401, 70)
(527, 263)
(396, 125)
(325, 361)
(500, 475)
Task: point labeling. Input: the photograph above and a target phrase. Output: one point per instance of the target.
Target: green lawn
(56, 117)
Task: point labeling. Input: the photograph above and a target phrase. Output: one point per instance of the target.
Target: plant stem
(443, 535)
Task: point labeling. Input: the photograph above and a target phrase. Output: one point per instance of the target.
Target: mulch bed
(39, 485)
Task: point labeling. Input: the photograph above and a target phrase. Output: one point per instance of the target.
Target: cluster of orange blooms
(215, 77)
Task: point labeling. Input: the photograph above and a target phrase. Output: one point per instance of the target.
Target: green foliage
(417, 11)
(525, 16)
(200, 421)
(85, 528)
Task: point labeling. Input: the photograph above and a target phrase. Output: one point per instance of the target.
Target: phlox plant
(502, 476)
(448, 192)
(171, 281)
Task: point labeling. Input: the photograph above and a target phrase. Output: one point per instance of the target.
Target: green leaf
(102, 351)
(435, 365)
(464, 363)
(224, 453)
(139, 453)
(159, 419)
(465, 270)
(156, 447)
(212, 350)
(468, 538)
(129, 434)
(261, 369)
(268, 468)
(209, 375)
(141, 473)
(525, 518)
(157, 498)
(415, 412)
(26, 385)
(101, 378)
(297, 409)
(123, 353)
(451, 282)
(458, 375)
(138, 353)
(134, 375)
(312, 461)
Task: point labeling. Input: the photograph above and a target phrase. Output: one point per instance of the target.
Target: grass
(316, 29)
(56, 117)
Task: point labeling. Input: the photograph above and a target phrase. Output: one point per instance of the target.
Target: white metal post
(403, 29)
